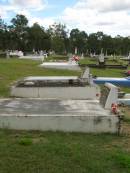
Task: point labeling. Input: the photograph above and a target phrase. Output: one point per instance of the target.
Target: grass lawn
(107, 72)
(57, 58)
(109, 61)
(110, 73)
(47, 152)
(14, 69)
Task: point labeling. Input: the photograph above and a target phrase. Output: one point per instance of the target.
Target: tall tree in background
(3, 35)
(39, 39)
(19, 30)
(108, 45)
(126, 46)
(59, 38)
(22, 37)
(78, 39)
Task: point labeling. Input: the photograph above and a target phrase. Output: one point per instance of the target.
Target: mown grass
(14, 69)
(63, 153)
(57, 58)
(107, 72)
(110, 61)
(110, 73)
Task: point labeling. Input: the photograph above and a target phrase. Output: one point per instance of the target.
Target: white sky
(110, 16)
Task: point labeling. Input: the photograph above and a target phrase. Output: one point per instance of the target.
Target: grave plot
(57, 115)
(67, 115)
(59, 87)
(72, 64)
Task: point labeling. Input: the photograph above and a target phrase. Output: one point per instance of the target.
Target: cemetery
(32, 113)
(60, 87)
(103, 62)
(76, 107)
(72, 64)
(64, 98)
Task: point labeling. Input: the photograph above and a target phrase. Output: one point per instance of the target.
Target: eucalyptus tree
(59, 38)
(39, 39)
(3, 35)
(19, 31)
(78, 39)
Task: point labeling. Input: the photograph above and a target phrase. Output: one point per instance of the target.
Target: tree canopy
(19, 36)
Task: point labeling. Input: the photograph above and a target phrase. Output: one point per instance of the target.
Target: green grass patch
(25, 141)
(62, 153)
(110, 73)
(47, 152)
(123, 160)
(110, 61)
(57, 58)
(14, 69)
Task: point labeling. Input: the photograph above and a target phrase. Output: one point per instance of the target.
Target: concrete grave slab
(57, 115)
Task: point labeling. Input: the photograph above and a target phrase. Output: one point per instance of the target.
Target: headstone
(82, 56)
(76, 50)
(86, 73)
(7, 54)
(114, 57)
(20, 53)
(41, 53)
(101, 58)
(129, 57)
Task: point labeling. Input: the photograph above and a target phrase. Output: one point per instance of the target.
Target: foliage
(20, 36)
(59, 38)
(78, 39)
(38, 38)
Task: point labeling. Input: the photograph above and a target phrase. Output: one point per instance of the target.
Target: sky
(110, 16)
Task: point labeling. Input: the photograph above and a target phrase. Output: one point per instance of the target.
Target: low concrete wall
(70, 123)
(88, 92)
(74, 67)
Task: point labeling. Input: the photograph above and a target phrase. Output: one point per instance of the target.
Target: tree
(38, 38)
(58, 45)
(108, 45)
(78, 39)
(3, 35)
(19, 22)
(20, 36)
(19, 30)
(59, 35)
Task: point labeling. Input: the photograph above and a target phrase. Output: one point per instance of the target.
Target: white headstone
(76, 50)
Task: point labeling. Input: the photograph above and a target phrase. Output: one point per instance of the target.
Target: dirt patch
(125, 130)
(126, 111)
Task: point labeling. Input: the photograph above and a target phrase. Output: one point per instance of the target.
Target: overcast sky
(110, 16)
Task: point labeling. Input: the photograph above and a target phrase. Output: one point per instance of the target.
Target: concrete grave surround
(125, 100)
(57, 115)
(69, 65)
(69, 104)
(57, 91)
(32, 57)
(61, 65)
